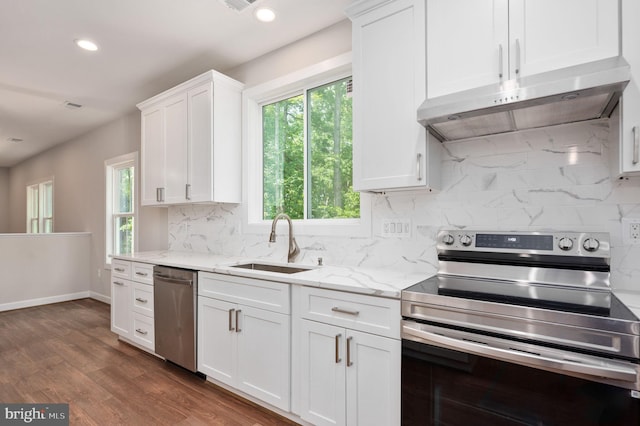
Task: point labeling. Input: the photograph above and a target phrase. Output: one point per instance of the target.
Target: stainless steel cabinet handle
(118, 283)
(238, 321)
(345, 311)
(349, 363)
(500, 63)
(159, 195)
(338, 360)
(231, 327)
(636, 145)
(419, 166)
(141, 331)
(119, 269)
(187, 191)
(142, 274)
(141, 300)
(517, 57)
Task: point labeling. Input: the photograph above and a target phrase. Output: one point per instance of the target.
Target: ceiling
(145, 47)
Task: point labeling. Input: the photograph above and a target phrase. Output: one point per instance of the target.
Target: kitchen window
(299, 157)
(40, 207)
(121, 205)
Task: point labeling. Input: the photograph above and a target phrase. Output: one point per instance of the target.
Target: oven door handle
(414, 331)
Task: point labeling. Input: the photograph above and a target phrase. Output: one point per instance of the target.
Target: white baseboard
(100, 297)
(43, 301)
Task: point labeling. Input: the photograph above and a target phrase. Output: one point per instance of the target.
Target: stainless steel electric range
(519, 328)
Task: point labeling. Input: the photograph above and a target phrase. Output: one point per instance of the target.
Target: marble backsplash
(555, 178)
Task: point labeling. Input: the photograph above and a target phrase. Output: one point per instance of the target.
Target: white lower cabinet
(347, 376)
(121, 314)
(132, 302)
(244, 346)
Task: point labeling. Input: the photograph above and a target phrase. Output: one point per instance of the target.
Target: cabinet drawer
(142, 272)
(358, 312)
(143, 299)
(268, 295)
(143, 331)
(120, 268)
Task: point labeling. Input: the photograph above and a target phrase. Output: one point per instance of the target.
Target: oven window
(443, 387)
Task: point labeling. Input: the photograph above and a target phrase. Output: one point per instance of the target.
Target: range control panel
(556, 243)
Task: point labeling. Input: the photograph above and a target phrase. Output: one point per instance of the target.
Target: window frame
(40, 219)
(111, 166)
(254, 98)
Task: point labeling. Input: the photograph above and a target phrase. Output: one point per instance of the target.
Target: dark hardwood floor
(66, 353)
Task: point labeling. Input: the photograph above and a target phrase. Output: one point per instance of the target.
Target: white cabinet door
(263, 355)
(389, 146)
(553, 34)
(467, 44)
(373, 379)
(200, 178)
(628, 155)
(176, 158)
(216, 339)
(322, 373)
(152, 158)
(121, 312)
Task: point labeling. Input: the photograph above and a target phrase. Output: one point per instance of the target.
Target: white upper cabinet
(191, 147)
(390, 149)
(625, 156)
(472, 43)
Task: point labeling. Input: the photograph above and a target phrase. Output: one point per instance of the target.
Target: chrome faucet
(294, 250)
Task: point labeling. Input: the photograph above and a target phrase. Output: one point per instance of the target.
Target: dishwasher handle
(171, 280)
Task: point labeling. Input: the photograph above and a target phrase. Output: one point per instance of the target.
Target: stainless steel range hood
(579, 93)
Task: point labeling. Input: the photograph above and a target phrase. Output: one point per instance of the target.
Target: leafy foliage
(329, 155)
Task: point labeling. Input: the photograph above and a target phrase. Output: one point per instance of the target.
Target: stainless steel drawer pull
(142, 274)
(141, 331)
(187, 191)
(160, 195)
(349, 363)
(238, 321)
(141, 300)
(419, 166)
(338, 348)
(345, 311)
(500, 63)
(231, 327)
(118, 283)
(119, 269)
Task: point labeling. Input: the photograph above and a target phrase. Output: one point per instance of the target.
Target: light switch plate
(396, 228)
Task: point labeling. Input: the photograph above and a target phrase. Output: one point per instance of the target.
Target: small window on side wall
(40, 207)
(121, 204)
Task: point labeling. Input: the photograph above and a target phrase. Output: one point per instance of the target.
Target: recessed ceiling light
(86, 44)
(264, 14)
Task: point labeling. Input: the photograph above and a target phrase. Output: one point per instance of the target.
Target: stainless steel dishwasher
(175, 315)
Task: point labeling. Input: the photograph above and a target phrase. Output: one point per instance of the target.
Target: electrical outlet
(396, 228)
(630, 231)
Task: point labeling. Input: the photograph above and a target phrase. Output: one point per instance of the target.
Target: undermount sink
(282, 269)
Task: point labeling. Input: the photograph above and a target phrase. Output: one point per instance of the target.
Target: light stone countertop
(631, 299)
(370, 281)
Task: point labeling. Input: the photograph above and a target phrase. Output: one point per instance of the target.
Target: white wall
(61, 274)
(4, 200)
(79, 191)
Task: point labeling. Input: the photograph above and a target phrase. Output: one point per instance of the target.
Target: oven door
(453, 377)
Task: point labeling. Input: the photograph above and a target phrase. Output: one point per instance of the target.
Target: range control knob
(448, 239)
(565, 244)
(591, 244)
(465, 240)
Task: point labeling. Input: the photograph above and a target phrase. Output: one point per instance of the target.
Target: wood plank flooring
(65, 352)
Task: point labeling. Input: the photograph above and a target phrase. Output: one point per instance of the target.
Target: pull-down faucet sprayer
(294, 250)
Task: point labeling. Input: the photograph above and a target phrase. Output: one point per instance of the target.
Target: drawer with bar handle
(370, 314)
